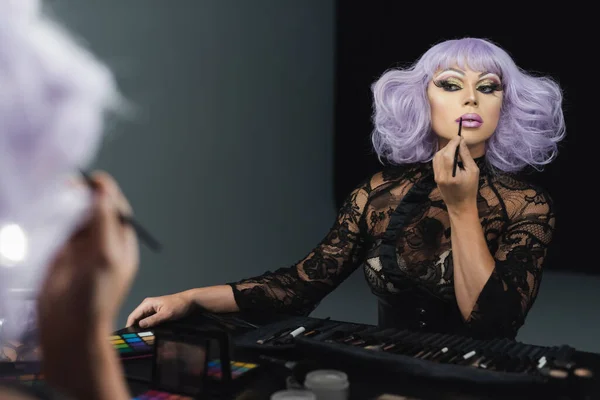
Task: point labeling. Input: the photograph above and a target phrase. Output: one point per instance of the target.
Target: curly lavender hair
(54, 94)
(54, 97)
(531, 119)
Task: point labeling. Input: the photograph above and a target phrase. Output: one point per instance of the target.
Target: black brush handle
(141, 232)
(456, 151)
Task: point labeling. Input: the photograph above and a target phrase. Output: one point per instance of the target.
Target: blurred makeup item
(278, 361)
(563, 357)
(293, 394)
(133, 344)
(238, 368)
(558, 373)
(583, 373)
(328, 384)
(161, 395)
(460, 122)
(554, 373)
(24, 379)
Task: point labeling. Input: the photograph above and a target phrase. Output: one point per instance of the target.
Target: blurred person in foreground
(81, 259)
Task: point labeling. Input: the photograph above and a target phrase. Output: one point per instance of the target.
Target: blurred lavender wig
(54, 96)
(53, 93)
(531, 119)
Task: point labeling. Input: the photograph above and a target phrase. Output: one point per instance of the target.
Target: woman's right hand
(154, 310)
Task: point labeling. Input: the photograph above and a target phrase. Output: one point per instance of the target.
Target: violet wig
(54, 97)
(531, 118)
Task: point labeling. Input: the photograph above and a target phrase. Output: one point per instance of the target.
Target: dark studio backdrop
(372, 37)
(253, 122)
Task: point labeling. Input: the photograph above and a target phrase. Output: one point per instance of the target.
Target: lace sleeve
(299, 289)
(513, 286)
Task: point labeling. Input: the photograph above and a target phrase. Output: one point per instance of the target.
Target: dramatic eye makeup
(452, 80)
(489, 85)
(448, 83)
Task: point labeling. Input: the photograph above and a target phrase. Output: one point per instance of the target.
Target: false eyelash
(496, 87)
(444, 84)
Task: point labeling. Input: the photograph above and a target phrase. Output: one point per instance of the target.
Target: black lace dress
(395, 226)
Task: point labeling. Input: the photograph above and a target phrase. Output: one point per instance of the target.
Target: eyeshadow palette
(237, 369)
(160, 395)
(133, 344)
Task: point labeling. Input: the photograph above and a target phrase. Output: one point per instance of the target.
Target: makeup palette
(237, 369)
(133, 344)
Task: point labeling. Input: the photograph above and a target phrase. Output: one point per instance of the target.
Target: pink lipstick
(471, 120)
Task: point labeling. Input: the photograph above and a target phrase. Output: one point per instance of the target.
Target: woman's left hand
(458, 192)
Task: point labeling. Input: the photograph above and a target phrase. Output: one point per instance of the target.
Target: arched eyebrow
(458, 71)
(493, 75)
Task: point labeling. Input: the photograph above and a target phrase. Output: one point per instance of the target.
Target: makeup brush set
(446, 356)
(368, 348)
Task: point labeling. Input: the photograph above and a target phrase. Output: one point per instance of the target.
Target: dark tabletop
(365, 383)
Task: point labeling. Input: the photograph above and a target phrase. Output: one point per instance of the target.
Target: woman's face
(476, 96)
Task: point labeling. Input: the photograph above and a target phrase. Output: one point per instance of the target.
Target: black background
(372, 38)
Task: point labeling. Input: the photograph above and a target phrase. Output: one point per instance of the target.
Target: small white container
(328, 384)
(294, 394)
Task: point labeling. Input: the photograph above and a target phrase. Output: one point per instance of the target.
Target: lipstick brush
(456, 151)
(142, 233)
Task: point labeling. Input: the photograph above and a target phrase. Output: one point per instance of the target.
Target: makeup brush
(456, 152)
(142, 233)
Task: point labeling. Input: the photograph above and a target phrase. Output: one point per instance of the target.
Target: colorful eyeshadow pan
(133, 345)
(159, 395)
(237, 369)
